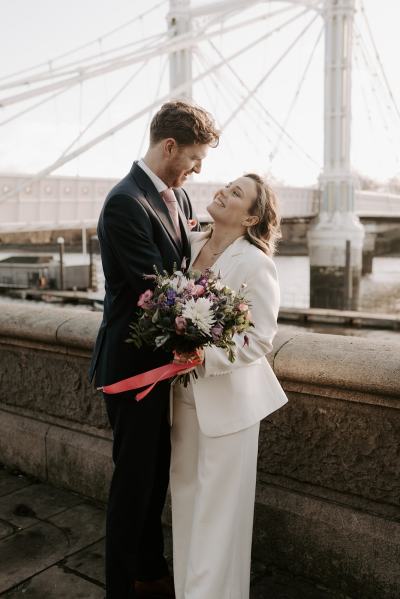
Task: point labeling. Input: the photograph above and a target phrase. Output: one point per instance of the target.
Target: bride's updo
(266, 232)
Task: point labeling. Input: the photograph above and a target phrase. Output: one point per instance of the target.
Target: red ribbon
(149, 379)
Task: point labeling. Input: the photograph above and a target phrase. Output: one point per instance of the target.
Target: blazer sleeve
(128, 230)
(263, 294)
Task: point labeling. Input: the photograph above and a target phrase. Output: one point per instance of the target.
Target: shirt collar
(158, 183)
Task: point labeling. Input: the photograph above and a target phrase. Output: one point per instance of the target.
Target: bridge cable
(146, 42)
(388, 129)
(88, 44)
(367, 106)
(122, 124)
(360, 43)
(123, 61)
(269, 116)
(275, 150)
(379, 60)
(149, 116)
(103, 109)
(269, 72)
(46, 99)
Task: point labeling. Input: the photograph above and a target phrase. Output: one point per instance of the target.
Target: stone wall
(328, 489)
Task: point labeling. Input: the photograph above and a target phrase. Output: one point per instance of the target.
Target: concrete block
(5, 530)
(50, 383)
(332, 444)
(30, 551)
(353, 552)
(82, 524)
(22, 444)
(80, 462)
(36, 502)
(57, 583)
(80, 331)
(342, 362)
(42, 545)
(38, 324)
(89, 562)
(12, 482)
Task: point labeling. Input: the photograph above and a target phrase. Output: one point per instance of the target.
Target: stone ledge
(59, 455)
(343, 548)
(338, 361)
(316, 359)
(64, 326)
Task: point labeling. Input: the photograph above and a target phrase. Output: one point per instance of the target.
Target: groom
(144, 223)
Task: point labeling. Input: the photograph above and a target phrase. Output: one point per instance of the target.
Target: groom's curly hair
(186, 123)
(267, 231)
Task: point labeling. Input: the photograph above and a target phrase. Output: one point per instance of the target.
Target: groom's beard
(176, 175)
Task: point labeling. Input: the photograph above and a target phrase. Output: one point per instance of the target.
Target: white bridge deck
(75, 202)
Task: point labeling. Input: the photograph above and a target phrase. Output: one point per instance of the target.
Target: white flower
(199, 312)
(179, 282)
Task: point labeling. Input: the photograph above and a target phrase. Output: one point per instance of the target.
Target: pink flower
(191, 288)
(191, 223)
(243, 307)
(180, 325)
(144, 300)
(198, 290)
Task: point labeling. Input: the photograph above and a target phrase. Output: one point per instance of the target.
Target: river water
(380, 291)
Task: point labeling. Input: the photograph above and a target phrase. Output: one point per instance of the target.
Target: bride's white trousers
(213, 483)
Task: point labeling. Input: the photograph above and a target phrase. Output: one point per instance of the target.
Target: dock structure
(351, 318)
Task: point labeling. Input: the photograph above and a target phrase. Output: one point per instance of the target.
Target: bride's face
(232, 203)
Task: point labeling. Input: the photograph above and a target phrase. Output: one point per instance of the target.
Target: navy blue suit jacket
(136, 233)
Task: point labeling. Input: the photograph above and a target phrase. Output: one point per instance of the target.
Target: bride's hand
(183, 358)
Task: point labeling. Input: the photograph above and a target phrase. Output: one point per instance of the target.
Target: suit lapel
(156, 202)
(228, 258)
(198, 239)
(184, 229)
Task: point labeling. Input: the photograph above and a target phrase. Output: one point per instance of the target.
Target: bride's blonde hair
(267, 231)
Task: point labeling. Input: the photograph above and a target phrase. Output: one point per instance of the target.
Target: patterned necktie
(172, 205)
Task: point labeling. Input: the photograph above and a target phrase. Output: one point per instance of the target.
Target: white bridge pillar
(333, 283)
(180, 65)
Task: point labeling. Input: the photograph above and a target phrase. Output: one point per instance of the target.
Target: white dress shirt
(158, 183)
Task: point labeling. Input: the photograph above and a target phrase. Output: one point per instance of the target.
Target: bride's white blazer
(233, 396)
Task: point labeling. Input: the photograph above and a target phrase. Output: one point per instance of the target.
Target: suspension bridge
(192, 45)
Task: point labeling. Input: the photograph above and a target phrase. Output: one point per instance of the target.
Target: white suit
(215, 425)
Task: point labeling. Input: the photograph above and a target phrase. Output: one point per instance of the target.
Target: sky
(33, 32)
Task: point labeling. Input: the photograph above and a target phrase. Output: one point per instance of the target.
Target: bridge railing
(75, 202)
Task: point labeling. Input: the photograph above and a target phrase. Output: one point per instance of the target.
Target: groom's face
(181, 161)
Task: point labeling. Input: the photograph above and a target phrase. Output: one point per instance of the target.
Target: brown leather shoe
(163, 588)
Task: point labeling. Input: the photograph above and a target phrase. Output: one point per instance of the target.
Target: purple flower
(216, 332)
(202, 280)
(180, 325)
(171, 295)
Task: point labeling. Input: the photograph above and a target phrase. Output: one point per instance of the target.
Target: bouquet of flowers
(188, 311)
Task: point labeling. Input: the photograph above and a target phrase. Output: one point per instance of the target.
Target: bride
(216, 419)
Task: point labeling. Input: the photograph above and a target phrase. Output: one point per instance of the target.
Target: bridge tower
(335, 273)
(336, 237)
(180, 65)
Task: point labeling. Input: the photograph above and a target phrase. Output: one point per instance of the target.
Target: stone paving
(52, 547)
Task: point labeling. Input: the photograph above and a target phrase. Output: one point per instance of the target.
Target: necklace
(212, 250)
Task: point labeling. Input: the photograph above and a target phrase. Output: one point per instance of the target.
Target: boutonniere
(191, 223)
